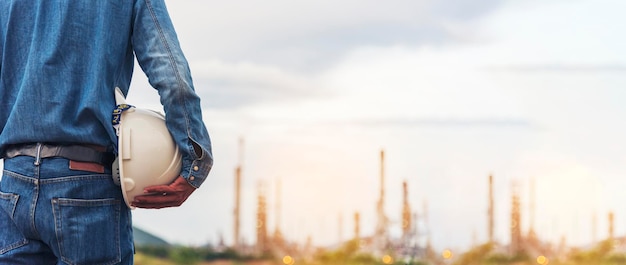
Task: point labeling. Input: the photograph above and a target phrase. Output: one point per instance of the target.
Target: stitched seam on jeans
(18, 176)
(14, 246)
(87, 202)
(33, 180)
(13, 198)
(57, 224)
(76, 178)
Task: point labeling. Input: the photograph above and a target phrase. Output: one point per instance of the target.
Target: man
(60, 62)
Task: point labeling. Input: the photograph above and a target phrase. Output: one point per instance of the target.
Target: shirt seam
(179, 81)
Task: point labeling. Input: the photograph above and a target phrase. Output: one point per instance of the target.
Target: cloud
(557, 34)
(233, 85)
(452, 123)
(561, 68)
(263, 52)
(308, 35)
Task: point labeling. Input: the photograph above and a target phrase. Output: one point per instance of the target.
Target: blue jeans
(50, 214)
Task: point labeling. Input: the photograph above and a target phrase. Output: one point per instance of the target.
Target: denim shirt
(60, 62)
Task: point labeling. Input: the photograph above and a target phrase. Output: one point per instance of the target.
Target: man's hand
(162, 196)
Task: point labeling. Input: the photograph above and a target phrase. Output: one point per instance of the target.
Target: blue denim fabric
(60, 62)
(50, 214)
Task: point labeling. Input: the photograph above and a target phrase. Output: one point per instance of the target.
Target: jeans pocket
(10, 236)
(88, 230)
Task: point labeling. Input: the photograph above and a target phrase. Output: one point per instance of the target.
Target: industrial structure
(516, 222)
(381, 239)
(532, 235)
(262, 240)
(490, 211)
(237, 210)
(406, 215)
(414, 241)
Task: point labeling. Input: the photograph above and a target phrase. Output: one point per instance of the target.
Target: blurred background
(409, 130)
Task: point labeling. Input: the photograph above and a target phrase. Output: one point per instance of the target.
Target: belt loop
(38, 155)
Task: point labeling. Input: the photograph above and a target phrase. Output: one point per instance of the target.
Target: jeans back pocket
(88, 231)
(10, 236)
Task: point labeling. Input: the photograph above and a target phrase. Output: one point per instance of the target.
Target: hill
(144, 238)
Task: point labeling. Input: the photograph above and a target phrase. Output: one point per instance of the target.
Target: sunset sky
(452, 91)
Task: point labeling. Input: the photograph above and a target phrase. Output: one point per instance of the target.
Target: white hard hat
(147, 154)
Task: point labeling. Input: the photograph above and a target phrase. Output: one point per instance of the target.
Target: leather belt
(78, 153)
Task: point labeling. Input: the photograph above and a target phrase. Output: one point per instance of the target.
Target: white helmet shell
(147, 154)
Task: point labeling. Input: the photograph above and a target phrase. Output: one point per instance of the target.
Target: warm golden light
(447, 254)
(542, 260)
(288, 260)
(387, 259)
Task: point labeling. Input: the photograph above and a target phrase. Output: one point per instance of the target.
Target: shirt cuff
(196, 171)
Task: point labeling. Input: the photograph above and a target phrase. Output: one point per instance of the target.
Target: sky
(453, 91)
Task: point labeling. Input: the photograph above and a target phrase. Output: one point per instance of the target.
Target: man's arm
(159, 54)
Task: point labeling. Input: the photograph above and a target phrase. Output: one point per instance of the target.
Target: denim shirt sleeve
(159, 54)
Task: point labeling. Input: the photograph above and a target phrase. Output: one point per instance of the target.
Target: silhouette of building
(381, 239)
(516, 227)
(262, 242)
(237, 209)
(490, 211)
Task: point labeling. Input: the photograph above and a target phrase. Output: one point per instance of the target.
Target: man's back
(60, 61)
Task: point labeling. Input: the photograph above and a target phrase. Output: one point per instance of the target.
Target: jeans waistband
(81, 153)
